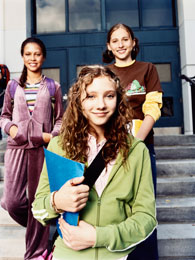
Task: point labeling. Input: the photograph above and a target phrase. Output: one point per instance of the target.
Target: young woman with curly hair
(119, 211)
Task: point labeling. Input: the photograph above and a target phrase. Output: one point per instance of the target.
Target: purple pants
(22, 172)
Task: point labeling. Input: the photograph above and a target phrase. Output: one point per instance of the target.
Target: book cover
(136, 126)
(60, 170)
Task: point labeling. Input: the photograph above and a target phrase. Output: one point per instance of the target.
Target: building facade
(74, 33)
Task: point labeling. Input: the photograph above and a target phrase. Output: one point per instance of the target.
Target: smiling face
(33, 57)
(121, 45)
(99, 102)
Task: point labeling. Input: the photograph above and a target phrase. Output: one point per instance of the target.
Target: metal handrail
(191, 80)
(2, 93)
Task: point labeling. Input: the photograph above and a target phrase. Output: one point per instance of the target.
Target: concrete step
(176, 241)
(175, 152)
(12, 242)
(2, 153)
(175, 168)
(171, 140)
(3, 144)
(175, 209)
(12, 238)
(175, 177)
(177, 258)
(1, 189)
(1, 171)
(165, 168)
(178, 186)
(11, 258)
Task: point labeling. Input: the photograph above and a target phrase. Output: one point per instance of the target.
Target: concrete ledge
(175, 152)
(3, 144)
(170, 140)
(175, 258)
(175, 168)
(12, 247)
(176, 186)
(176, 240)
(175, 202)
(12, 238)
(176, 210)
(1, 189)
(167, 130)
(1, 171)
(2, 153)
(11, 258)
(6, 220)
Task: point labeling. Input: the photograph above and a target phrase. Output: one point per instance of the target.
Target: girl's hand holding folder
(72, 197)
(78, 237)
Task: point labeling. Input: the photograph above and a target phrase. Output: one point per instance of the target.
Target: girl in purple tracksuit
(30, 122)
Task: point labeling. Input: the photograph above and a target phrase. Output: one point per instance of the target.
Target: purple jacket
(30, 128)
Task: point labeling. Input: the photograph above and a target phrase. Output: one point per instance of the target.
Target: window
(164, 72)
(123, 11)
(84, 15)
(167, 109)
(53, 73)
(56, 16)
(50, 16)
(157, 13)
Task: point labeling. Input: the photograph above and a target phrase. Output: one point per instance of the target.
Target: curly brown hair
(75, 127)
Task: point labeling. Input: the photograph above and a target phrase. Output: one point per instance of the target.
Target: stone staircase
(175, 203)
(176, 196)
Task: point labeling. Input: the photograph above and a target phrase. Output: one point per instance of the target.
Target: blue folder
(60, 170)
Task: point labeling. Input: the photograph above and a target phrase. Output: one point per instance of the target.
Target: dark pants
(22, 172)
(148, 250)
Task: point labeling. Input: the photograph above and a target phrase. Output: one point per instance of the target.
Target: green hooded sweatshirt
(124, 215)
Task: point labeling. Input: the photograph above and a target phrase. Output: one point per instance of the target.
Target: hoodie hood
(134, 142)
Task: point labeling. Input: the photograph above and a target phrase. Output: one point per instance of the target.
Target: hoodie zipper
(97, 223)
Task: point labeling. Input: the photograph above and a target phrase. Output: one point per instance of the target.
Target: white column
(14, 34)
(186, 17)
(1, 31)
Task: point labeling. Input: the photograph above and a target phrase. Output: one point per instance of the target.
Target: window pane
(167, 109)
(123, 11)
(84, 15)
(164, 72)
(50, 16)
(157, 13)
(53, 73)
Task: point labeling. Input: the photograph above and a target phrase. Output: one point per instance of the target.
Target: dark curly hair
(107, 55)
(75, 127)
(23, 76)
